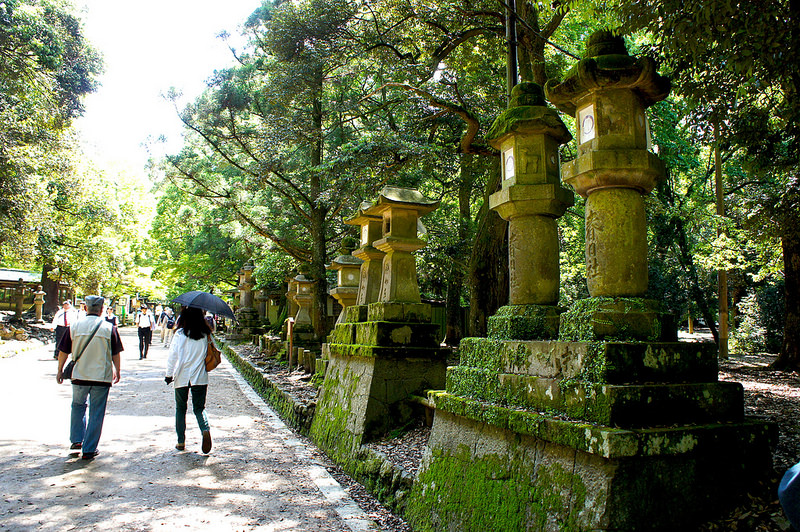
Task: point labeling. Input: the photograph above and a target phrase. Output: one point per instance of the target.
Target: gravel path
(257, 477)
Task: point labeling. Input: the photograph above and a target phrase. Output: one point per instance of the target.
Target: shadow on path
(250, 480)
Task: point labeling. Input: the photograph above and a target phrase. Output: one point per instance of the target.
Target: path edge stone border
(388, 482)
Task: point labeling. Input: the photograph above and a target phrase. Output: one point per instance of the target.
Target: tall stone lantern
(348, 270)
(607, 92)
(528, 135)
(305, 300)
(370, 227)
(246, 285)
(248, 321)
(38, 301)
(400, 210)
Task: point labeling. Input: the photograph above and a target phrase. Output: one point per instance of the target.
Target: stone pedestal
(381, 354)
(614, 426)
(531, 199)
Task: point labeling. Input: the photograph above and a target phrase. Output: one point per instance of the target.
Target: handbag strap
(99, 323)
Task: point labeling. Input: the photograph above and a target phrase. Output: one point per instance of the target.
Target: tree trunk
(488, 268)
(319, 252)
(50, 286)
(318, 272)
(455, 281)
(687, 262)
(790, 245)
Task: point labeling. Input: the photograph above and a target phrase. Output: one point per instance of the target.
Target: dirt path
(257, 477)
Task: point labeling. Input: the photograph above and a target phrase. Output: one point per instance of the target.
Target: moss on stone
(464, 491)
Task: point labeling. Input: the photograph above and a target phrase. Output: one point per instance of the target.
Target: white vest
(95, 362)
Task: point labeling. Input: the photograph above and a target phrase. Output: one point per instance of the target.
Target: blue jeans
(80, 431)
(198, 407)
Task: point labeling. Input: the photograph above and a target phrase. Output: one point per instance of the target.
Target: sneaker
(76, 446)
(206, 441)
(89, 456)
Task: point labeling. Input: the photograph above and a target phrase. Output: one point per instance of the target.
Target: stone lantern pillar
(246, 286)
(348, 270)
(607, 93)
(38, 300)
(528, 135)
(248, 322)
(19, 295)
(262, 299)
(400, 209)
(291, 292)
(370, 229)
(385, 354)
(305, 300)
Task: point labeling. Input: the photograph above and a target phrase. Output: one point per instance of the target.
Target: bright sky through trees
(149, 46)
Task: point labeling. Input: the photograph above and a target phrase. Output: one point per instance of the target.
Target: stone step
(610, 442)
(386, 334)
(632, 405)
(601, 362)
(374, 351)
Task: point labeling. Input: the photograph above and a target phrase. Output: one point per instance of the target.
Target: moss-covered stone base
(364, 396)
(628, 405)
(525, 322)
(483, 476)
(600, 362)
(605, 318)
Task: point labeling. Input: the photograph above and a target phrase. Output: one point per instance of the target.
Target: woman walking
(187, 369)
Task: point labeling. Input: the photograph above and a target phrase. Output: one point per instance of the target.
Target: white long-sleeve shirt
(186, 362)
(71, 316)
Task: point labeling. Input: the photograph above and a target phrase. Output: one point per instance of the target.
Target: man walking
(146, 323)
(65, 317)
(96, 345)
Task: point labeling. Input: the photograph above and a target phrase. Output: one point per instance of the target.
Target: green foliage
(46, 67)
(759, 324)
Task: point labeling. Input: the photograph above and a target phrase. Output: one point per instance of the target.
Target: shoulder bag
(66, 373)
(213, 355)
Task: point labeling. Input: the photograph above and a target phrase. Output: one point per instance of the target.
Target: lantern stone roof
(389, 196)
(608, 65)
(344, 260)
(528, 113)
(362, 216)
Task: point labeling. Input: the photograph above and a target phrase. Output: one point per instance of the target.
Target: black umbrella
(205, 301)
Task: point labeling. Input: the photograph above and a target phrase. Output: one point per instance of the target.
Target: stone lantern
(291, 292)
(248, 322)
(38, 300)
(528, 135)
(348, 270)
(370, 227)
(19, 295)
(400, 210)
(607, 93)
(305, 301)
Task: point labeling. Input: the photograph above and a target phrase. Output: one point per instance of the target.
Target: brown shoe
(180, 446)
(206, 441)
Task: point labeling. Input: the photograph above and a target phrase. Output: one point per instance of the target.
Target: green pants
(198, 407)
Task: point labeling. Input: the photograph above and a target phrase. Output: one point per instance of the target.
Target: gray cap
(94, 303)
